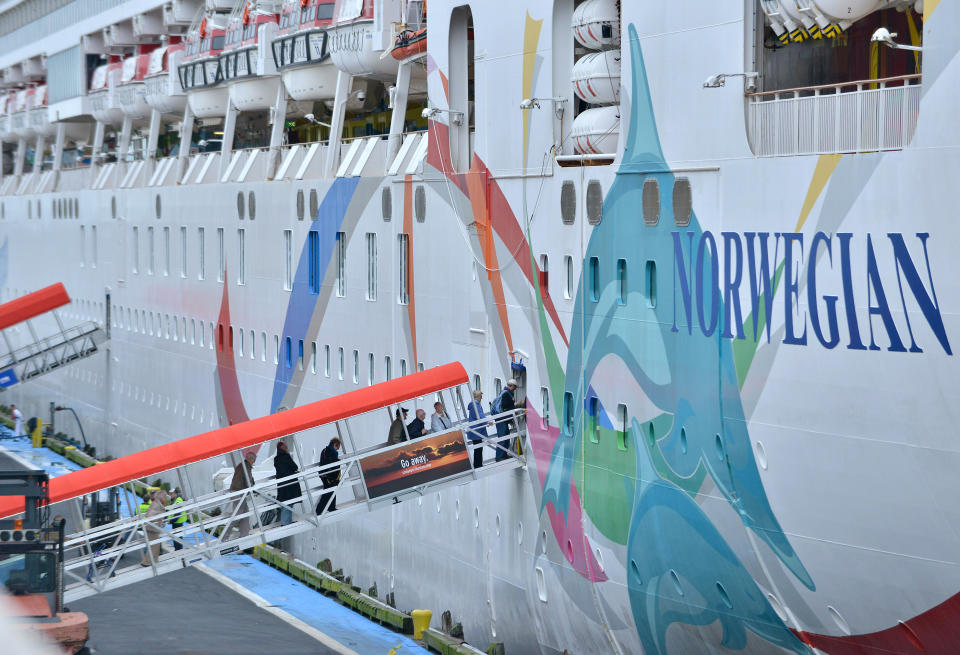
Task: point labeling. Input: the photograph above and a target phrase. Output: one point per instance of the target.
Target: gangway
(43, 354)
(371, 476)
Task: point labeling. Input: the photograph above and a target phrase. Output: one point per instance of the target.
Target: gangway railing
(222, 522)
(43, 354)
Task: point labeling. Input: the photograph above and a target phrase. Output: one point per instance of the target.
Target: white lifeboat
(359, 35)
(103, 92)
(200, 75)
(163, 91)
(596, 77)
(7, 103)
(300, 50)
(23, 103)
(38, 114)
(596, 24)
(131, 91)
(246, 62)
(596, 131)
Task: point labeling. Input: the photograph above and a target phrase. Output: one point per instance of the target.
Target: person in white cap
(17, 416)
(505, 402)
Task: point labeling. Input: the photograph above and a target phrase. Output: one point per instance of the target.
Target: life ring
(246, 15)
(203, 28)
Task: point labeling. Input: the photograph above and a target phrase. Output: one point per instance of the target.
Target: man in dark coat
(505, 403)
(416, 428)
(287, 491)
(330, 477)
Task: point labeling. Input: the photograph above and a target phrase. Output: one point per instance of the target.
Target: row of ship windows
(59, 208)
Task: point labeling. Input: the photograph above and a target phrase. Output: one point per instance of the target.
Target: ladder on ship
(118, 553)
(43, 354)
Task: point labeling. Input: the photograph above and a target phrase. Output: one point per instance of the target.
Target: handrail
(881, 80)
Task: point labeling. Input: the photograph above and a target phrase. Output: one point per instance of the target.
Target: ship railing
(860, 116)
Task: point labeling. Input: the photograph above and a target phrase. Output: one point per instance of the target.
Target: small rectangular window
(83, 246)
(313, 263)
(242, 259)
(326, 360)
(371, 266)
(253, 344)
(356, 367)
(150, 250)
(276, 349)
(288, 260)
(201, 262)
(313, 356)
(593, 424)
(222, 267)
(568, 413)
(545, 403)
(340, 354)
(622, 427)
(201, 334)
(497, 387)
(651, 283)
(403, 254)
(621, 281)
(370, 367)
(176, 334)
(263, 346)
(240, 342)
(594, 279)
(341, 246)
(387, 367)
(288, 342)
(136, 249)
(193, 331)
(544, 275)
(183, 251)
(300, 354)
(166, 251)
(477, 382)
(568, 277)
(403, 367)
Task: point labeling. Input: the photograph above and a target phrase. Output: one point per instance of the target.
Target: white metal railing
(862, 116)
(222, 522)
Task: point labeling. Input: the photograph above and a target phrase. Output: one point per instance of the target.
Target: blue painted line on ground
(325, 614)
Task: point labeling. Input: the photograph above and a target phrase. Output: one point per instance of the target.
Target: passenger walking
(286, 491)
(154, 526)
(478, 433)
(330, 477)
(417, 427)
(439, 421)
(242, 479)
(177, 521)
(504, 403)
(397, 434)
(17, 416)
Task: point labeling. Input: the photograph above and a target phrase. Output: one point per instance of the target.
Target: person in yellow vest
(144, 504)
(177, 520)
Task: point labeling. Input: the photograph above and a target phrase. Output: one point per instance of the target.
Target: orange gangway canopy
(244, 435)
(33, 304)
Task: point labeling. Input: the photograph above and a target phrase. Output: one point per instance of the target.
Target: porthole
(543, 541)
(599, 556)
(651, 435)
(682, 202)
(438, 502)
(519, 533)
(635, 570)
(568, 202)
(456, 509)
(497, 524)
(541, 585)
(651, 201)
(252, 206)
(683, 440)
(911, 636)
(29, 209)
(420, 204)
(54, 208)
(3, 210)
(240, 211)
(476, 517)
(724, 596)
(39, 209)
(158, 207)
(300, 207)
(569, 550)
(718, 442)
(761, 456)
(314, 204)
(113, 206)
(386, 203)
(594, 202)
(76, 208)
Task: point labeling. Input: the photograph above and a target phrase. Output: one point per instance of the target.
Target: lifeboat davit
(103, 92)
(300, 50)
(163, 91)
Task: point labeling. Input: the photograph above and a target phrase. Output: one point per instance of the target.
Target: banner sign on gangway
(415, 463)
(8, 378)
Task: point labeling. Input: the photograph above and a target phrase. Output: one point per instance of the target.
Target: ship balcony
(862, 116)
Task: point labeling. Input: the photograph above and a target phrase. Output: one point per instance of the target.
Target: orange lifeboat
(410, 43)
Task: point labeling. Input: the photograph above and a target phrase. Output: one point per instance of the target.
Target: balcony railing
(863, 116)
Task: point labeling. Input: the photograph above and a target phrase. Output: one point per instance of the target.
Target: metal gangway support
(370, 476)
(43, 354)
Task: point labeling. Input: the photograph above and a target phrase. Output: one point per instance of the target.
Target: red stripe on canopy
(33, 304)
(243, 435)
